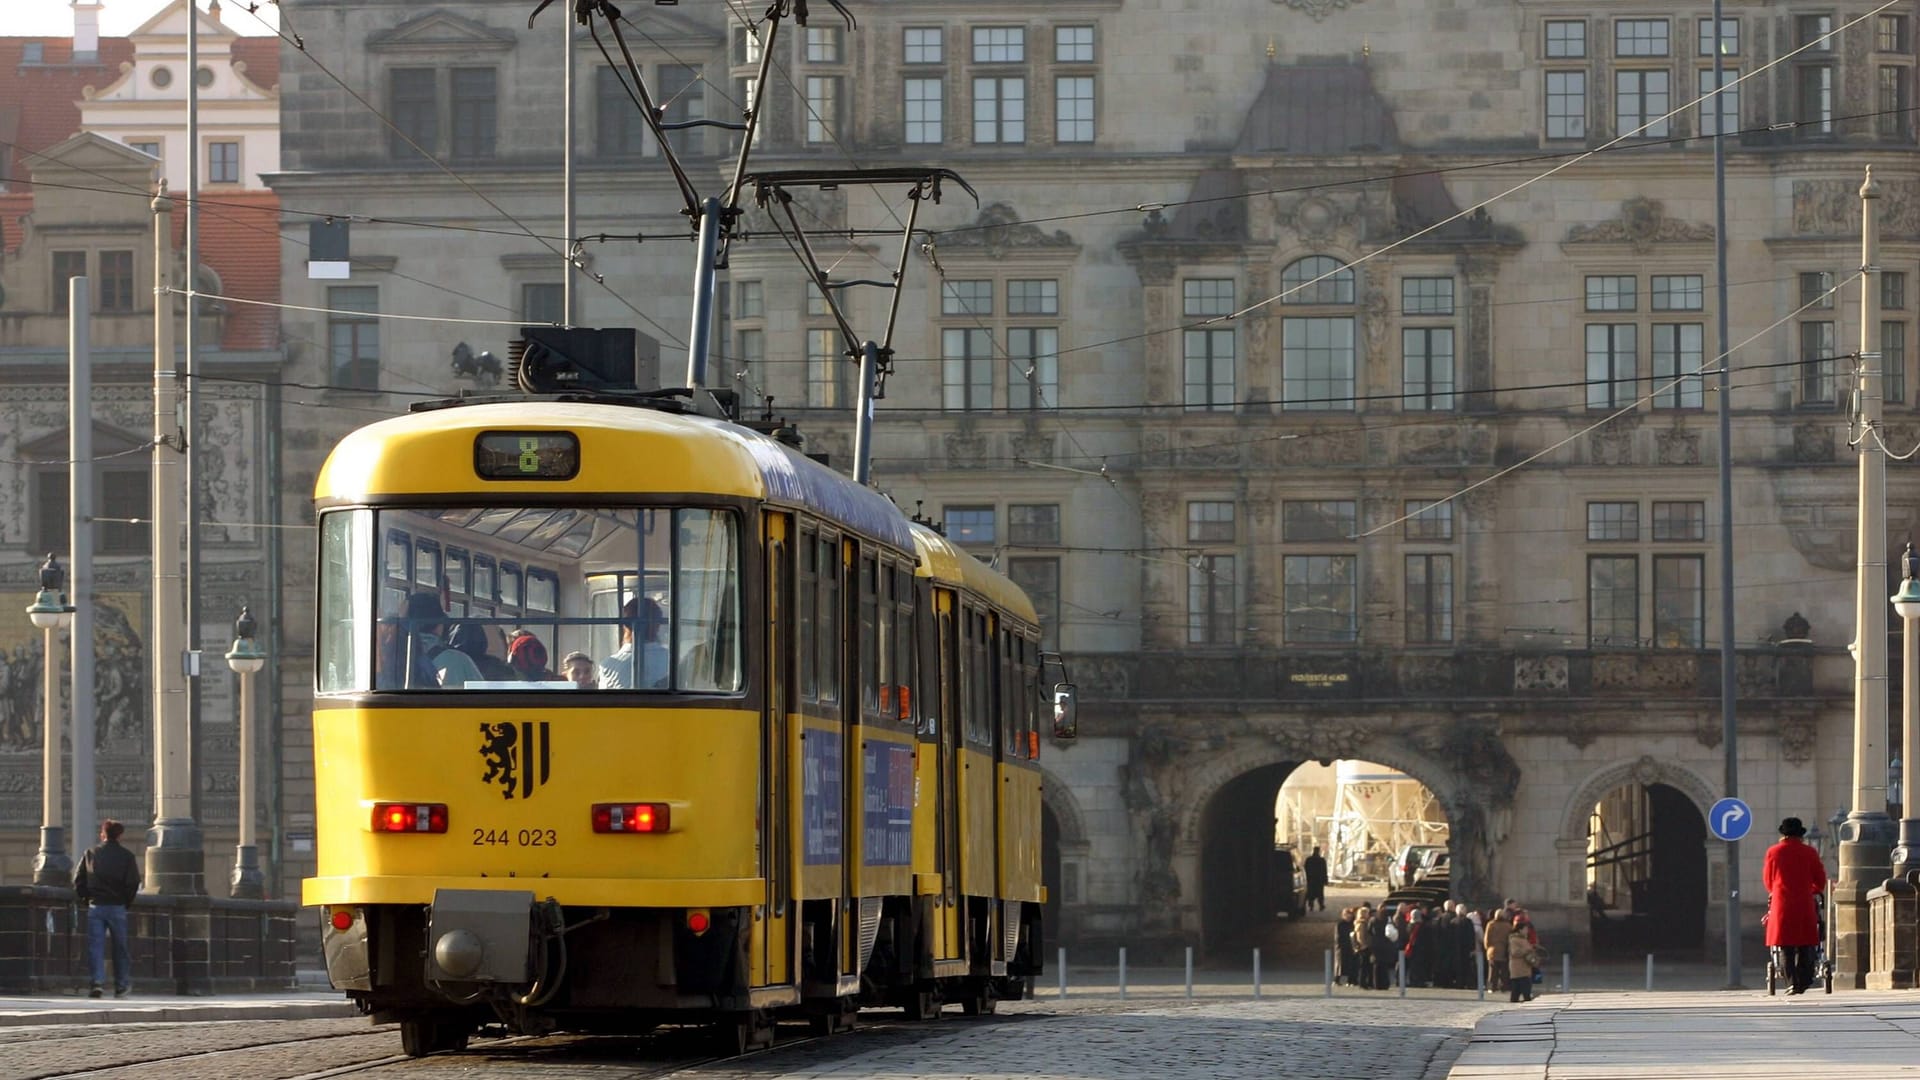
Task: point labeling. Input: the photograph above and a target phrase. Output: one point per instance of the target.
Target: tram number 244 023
(515, 838)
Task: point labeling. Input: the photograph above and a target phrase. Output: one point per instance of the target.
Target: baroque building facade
(1316, 425)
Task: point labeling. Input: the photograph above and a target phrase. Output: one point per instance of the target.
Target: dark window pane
(67, 265)
(415, 108)
(617, 121)
(473, 113)
(116, 281)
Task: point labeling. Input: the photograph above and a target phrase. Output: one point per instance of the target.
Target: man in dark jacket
(1316, 868)
(108, 878)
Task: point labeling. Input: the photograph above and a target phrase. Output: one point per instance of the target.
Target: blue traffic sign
(1730, 819)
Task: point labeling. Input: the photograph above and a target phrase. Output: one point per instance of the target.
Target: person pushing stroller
(1794, 876)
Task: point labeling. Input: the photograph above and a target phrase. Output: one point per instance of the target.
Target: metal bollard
(1123, 972)
(1480, 975)
(1566, 973)
(1327, 971)
(1400, 972)
(1649, 973)
(1189, 973)
(1256, 974)
(1063, 971)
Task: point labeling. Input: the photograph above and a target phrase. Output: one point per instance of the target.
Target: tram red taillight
(342, 919)
(646, 817)
(393, 817)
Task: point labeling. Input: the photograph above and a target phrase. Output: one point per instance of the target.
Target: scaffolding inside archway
(1362, 814)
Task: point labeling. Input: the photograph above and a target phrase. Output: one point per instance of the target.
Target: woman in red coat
(1794, 875)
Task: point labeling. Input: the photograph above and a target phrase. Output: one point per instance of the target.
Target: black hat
(1792, 827)
(424, 608)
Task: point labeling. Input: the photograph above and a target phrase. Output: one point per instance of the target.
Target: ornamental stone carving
(999, 230)
(1832, 207)
(1330, 741)
(1796, 739)
(1813, 442)
(1642, 223)
(1611, 445)
(1540, 674)
(1676, 446)
(1318, 9)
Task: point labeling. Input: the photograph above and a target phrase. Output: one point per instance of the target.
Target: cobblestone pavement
(1309, 1038)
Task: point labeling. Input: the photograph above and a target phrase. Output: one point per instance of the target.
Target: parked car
(1414, 861)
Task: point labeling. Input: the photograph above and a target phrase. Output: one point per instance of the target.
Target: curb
(180, 1014)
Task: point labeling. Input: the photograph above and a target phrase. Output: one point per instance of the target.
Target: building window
(1814, 98)
(223, 162)
(1073, 109)
(1613, 600)
(1677, 356)
(1073, 44)
(684, 97)
(1566, 104)
(1209, 357)
(1677, 292)
(1210, 522)
(1893, 360)
(353, 336)
(116, 281)
(1816, 290)
(823, 44)
(1893, 290)
(1429, 599)
(1814, 32)
(970, 525)
(1611, 292)
(1033, 367)
(1679, 601)
(999, 45)
(1040, 580)
(413, 101)
(1207, 296)
(1890, 35)
(1033, 524)
(923, 45)
(1317, 364)
(751, 356)
(749, 300)
(67, 265)
(1679, 521)
(1428, 521)
(1316, 279)
(1426, 355)
(925, 105)
(1033, 296)
(1566, 40)
(1613, 521)
(826, 370)
(474, 104)
(123, 497)
(1000, 110)
(1310, 520)
(823, 108)
(1210, 600)
(746, 46)
(966, 370)
(1729, 37)
(1320, 599)
(1728, 101)
(1894, 98)
(33, 52)
(1640, 37)
(1817, 363)
(1640, 103)
(967, 297)
(544, 302)
(817, 300)
(149, 147)
(1426, 296)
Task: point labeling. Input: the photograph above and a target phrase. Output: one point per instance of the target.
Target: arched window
(1332, 283)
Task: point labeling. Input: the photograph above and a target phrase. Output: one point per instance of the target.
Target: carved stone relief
(1613, 443)
(1642, 223)
(999, 230)
(1540, 673)
(1677, 445)
(1318, 9)
(1797, 738)
(1813, 442)
(1832, 207)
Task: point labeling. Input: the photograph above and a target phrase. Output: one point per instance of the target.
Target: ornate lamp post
(51, 613)
(1906, 855)
(245, 658)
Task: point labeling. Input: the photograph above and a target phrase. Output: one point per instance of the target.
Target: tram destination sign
(526, 455)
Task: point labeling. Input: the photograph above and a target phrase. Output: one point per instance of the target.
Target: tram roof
(623, 450)
(942, 560)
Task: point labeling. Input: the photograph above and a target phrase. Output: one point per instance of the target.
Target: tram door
(773, 935)
(947, 732)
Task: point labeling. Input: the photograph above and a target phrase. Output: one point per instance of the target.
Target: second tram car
(627, 716)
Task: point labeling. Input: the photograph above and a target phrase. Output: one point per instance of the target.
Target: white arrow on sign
(1730, 815)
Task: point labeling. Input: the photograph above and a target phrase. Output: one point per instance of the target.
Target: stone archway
(1064, 851)
(1681, 791)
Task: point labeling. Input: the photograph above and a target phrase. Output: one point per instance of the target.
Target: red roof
(262, 57)
(240, 240)
(14, 207)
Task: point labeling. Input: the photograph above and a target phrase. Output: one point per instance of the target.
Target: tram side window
(809, 553)
(979, 718)
(905, 672)
(457, 584)
(827, 634)
(869, 654)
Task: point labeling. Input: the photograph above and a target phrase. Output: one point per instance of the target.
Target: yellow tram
(627, 716)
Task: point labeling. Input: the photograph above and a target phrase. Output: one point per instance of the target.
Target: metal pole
(1123, 971)
(1729, 685)
(1649, 973)
(80, 559)
(1062, 965)
(1867, 838)
(1400, 972)
(566, 171)
(1256, 974)
(245, 658)
(1480, 974)
(1326, 974)
(1566, 973)
(190, 423)
(1189, 973)
(50, 864)
(704, 273)
(863, 418)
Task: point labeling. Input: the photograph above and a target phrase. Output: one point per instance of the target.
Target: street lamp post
(51, 613)
(1906, 854)
(245, 658)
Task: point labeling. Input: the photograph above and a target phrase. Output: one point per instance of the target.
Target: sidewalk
(1725, 1035)
(143, 1008)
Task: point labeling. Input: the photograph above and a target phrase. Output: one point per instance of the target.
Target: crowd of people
(450, 653)
(1441, 946)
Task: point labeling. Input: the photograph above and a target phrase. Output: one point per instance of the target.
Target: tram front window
(530, 599)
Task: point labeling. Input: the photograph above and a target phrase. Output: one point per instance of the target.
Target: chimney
(86, 31)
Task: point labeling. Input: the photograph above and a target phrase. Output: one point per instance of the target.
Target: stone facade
(1213, 471)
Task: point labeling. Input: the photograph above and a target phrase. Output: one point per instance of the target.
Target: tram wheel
(418, 1038)
(744, 1033)
(922, 1004)
(980, 1000)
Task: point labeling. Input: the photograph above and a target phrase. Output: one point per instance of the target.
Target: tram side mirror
(1066, 711)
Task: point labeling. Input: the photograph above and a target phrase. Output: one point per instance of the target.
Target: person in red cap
(1794, 875)
(527, 656)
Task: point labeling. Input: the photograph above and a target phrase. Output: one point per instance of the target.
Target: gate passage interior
(1646, 871)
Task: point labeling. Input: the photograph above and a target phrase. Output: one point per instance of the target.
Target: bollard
(1566, 973)
(1649, 973)
(1123, 972)
(1327, 971)
(1189, 973)
(1256, 974)
(1063, 971)
(1480, 975)
(1400, 972)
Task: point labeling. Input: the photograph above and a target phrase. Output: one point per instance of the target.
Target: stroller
(1822, 963)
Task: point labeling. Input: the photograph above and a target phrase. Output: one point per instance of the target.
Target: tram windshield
(529, 599)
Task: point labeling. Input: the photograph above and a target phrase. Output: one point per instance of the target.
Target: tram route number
(515, 838)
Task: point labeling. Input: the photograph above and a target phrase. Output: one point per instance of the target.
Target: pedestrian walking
(1523, 956)
(1793, 875)
(1363, 929)
(1498, 935)
(107, 880)
(1316, 869)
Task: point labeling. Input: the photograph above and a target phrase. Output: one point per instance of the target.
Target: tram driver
(617, 670)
